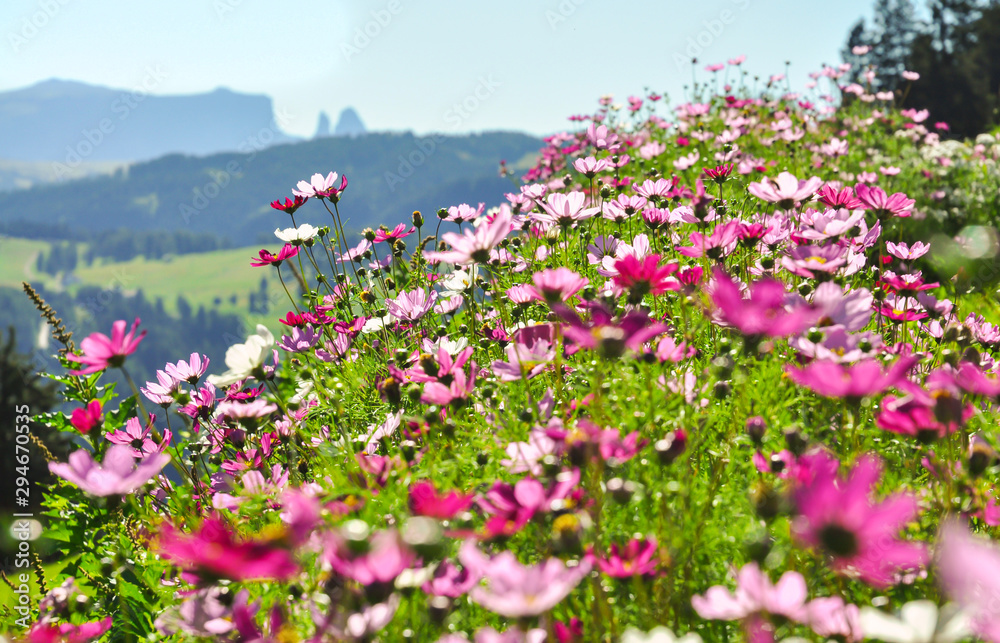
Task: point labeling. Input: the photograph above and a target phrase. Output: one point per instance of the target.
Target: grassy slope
(17, 260)
(200, 278)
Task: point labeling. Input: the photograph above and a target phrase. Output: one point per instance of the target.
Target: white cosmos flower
(302, 233)
(243, 359)
(458, 282)
(375, 324)
(918, 622)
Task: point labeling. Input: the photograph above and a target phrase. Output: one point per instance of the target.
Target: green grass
(209, 279)
(17, 261)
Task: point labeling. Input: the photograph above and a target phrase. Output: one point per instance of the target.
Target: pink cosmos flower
(601, 138)
(845, 198)
(450, 580)
(454, 393)
(854, 382)
(808, 261)
(527, 357)
(386, 558)
(136, 437)
(512, 506)
(832, 617)
(836, 306)
(637, 558)
(426, 501)
(190, 371)
(969, 569)
(755, 595)
(907, 253)
(565, 209)
(786, 190)
(214, 552)
(475, 246)
(721, 243)
(101, 352)
(162, 390)
(590, 166)
(875, 199)
(412, 305)
(399, 232)
(645, 276)
(817, 226)
(67, 632)
(268, 259)
(302, 339)
(560, 284)
(321, 187)
(839, 517)
(464, 212)
(515, 590)
(86, 418)
(118, 475)
(763, 313)
(609, 335)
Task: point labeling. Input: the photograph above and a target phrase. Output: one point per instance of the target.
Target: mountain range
(228, 194)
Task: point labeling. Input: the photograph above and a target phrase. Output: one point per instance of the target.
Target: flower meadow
(716, 372)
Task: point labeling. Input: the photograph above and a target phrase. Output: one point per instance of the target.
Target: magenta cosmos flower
(67, 632)
(831, 379)
(101, 351)
(86, 418)
(214, 552)
(426, 501)
(268, 259)
(838, 516)
(786, 190)
(763, 313)
(118, 475)
(515, 590)
(385, 559)
(638, 557)
(289, 206)
(645, 276)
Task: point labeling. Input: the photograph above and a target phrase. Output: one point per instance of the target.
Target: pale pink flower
(118, 475)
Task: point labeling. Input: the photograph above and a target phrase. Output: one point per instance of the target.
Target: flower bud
(756, 428)
(671, 447)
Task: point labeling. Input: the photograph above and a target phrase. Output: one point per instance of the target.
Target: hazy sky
(407, 64)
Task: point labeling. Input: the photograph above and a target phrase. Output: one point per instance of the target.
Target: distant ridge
(228, 194)
(349, 124)
(73, 123)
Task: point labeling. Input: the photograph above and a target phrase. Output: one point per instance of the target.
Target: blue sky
(407, 64)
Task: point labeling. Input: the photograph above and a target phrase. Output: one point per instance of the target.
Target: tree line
(955, 47)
